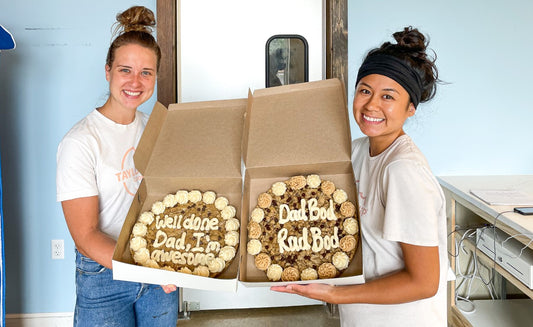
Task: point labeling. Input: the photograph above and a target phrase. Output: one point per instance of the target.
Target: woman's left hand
(169, 288)
(321, 292)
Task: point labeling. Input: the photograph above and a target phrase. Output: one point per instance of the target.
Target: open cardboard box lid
(298, 129)
(187, 146)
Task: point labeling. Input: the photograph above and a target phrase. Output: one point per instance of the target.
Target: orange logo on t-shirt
(362, 201)
(129, 176)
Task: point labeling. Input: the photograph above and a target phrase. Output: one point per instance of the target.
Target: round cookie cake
(188, 232)
(303, 228)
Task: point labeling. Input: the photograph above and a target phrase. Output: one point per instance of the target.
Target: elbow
(429, 289)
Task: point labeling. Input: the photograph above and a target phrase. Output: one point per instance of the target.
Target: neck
(118, 114)
(381, 143)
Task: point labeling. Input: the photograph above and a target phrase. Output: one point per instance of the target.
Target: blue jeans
(102, 301)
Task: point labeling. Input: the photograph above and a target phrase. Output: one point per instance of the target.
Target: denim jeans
(102, 301)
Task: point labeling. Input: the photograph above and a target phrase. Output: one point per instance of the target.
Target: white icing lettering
(292, 243)
(315, 212)
(212, 247)
(299, 243)
(160, 238)
(198, 237)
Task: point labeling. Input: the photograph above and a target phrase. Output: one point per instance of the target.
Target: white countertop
(460, 186)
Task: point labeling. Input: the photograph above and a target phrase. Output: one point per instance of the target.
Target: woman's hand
(419, 279)
(321, 292)
(169, 288)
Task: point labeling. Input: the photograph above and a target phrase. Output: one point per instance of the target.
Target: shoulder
(359, 145)
(143, 117)
(405, 159)
(81, 135)
(82, 128)
(406, 151)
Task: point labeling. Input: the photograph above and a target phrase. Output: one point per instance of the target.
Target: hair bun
(137, 18)
(411, 39)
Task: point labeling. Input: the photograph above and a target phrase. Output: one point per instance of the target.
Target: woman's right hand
(169, 288)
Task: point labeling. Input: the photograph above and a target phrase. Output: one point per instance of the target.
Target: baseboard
(58, 319)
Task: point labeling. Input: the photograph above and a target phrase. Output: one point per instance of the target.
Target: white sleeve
(412, 204)
(76, 170)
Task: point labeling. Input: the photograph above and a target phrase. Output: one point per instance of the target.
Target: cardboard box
(191, 146)
(292, 130)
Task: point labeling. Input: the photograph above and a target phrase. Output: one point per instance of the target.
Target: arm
(81, 215)
(418, 280)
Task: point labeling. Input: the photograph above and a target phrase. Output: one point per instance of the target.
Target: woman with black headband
(401, 205)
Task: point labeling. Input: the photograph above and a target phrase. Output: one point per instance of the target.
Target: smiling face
(380, 108)
(132, 77)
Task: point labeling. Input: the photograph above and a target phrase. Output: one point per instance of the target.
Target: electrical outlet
(58, 249)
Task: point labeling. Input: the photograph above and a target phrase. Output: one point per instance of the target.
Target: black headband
(396, 69)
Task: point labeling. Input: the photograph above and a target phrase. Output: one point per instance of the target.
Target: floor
(315, 315)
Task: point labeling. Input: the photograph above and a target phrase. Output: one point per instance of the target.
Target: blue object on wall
(2, 270)
(7, 41)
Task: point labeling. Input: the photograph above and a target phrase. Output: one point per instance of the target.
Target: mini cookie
(313, 181)
(201, 271)
(309, 274)
(348, 243)
(170, 200)
(146, 218)
(350, 226)
(254, 247)
(327, 270)
(290, 274)
(279, 188)
(137, 243)
(227, 253)
(340, 260)
(297, 182)
(139, 229)
(216, 265)
(232, 224)
(254, 230)
(158, 208)
(262, 261)
(221, 203)
(182, 196)
(232, 238)
(257, 215)
(209, 197)
(274, 272)
(194, 196)
(340, 196)
(264, 200)
(347, 209)
(228, 212)
(327, 187)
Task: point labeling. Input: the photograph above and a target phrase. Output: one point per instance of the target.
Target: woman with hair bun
(96, 195)
(401, 204)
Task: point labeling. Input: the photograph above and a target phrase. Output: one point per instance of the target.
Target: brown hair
(134, 26)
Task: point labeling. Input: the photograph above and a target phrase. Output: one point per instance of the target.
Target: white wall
(480, 121)
(222, 43)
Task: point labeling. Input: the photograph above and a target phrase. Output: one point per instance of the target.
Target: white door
(221, 55)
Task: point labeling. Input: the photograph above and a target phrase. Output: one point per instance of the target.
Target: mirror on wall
(286, 60)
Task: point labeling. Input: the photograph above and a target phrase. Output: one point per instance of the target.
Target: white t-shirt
(96, 158)
(399, 201)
